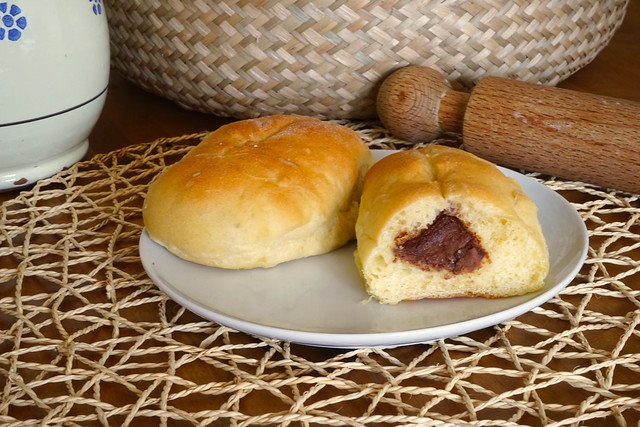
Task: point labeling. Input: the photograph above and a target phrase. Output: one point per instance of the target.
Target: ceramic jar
(54, 73)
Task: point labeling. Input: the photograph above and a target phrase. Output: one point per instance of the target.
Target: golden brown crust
(405, 192)
(259, 192)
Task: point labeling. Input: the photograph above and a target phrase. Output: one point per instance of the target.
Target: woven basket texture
(326, 58)
(87, 339)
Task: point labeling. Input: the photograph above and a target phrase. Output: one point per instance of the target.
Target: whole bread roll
(439, 222)
(259, 192)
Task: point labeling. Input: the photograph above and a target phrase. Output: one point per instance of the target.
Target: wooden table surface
(133, 116)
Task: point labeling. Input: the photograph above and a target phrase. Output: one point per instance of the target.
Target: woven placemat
(87, 339)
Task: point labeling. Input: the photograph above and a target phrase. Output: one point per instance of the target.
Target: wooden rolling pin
(558, 132)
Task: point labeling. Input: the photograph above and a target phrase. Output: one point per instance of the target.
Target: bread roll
(256, 193)
(439, 222)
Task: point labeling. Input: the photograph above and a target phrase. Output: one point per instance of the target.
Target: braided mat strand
(326, 58)
(87, 339)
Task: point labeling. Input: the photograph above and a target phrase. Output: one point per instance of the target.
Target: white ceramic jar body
(54, 73)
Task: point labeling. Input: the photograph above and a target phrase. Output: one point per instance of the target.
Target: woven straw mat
(87, 339)
(326, 58)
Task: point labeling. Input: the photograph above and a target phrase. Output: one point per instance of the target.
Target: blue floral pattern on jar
(12, 23)
(97, 6)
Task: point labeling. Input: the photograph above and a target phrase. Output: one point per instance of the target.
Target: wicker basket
(326, 58)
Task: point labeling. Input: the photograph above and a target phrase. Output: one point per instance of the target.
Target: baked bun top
(453, 177)
(259, 192)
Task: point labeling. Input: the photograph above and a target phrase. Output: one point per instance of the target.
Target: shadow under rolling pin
(558, 132)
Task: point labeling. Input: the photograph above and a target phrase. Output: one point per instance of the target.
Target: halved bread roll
(439, 222)
(256, 193)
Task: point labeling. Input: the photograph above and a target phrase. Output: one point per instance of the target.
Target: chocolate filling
(446, 244)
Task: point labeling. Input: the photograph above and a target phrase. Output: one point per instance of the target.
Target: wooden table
(217, 376)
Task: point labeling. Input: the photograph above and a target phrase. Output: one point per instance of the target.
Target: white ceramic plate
(321, 300)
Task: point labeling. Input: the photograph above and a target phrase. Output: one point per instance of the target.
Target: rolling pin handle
(417, 104)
